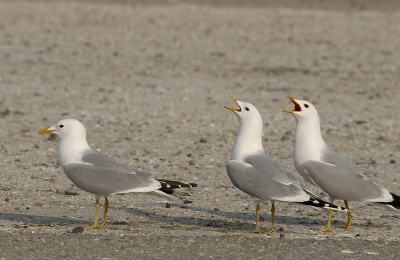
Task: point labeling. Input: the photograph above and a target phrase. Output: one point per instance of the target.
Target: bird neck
(308, 142)
(248, 141)
(70, 150)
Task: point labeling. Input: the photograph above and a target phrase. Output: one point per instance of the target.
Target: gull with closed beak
(100, 175)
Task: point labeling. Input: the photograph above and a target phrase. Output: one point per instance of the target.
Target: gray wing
(263, 177)
(99, 174)
(275, 169)
(341, 180)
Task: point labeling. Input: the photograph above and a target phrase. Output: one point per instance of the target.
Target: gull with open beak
(261, 175)
(321, 166)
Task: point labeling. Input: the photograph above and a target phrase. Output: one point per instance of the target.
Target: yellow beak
(231, 108)
(45, 131)
(294, 102)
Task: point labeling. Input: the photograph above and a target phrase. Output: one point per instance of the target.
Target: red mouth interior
(297, 107)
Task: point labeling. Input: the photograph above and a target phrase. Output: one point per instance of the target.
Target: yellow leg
(328, 225)
(272, 220)
(105, 213)
(257, 230)
(349, 216)
(96, 216)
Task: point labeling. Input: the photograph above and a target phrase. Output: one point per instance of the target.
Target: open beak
(45, 131)
(297, 107)
(234, 109)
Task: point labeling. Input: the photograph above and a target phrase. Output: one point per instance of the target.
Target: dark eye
(306, 105)
(61, 126)
(247, 109)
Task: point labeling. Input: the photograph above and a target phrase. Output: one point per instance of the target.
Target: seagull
(321, 166)
(99, 174)
(261, 175)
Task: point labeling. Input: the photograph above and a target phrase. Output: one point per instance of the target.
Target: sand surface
(149, 80)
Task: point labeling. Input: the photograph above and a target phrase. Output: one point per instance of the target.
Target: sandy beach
(149, 80)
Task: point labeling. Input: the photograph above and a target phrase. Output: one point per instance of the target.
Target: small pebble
(392, 161)
(73, 193)
(78, 230)
(285, 137)
(203, 140)
(120, 223)
(5, 112)
(52, 224)
(167, 205)
(52, 137)
(191, 162)
(281, 235)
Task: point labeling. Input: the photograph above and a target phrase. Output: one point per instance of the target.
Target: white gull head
(248, 139)
(72, 142)
(309, 143)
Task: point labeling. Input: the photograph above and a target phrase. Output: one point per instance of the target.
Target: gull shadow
(42, 220)
(241, 218)
(188, 220)
(338, 217)
(235, 220)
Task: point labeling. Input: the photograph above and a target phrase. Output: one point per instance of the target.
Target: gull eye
(306, 105)
(247, 109)
(61, 126)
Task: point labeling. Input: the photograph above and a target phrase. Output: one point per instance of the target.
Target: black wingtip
(169, 186)
(318, 203)
(395, 203)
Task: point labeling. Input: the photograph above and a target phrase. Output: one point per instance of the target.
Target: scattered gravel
(149, 82)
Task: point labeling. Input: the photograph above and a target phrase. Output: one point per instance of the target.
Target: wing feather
(345, 182)
(99, 174)
(265, 178)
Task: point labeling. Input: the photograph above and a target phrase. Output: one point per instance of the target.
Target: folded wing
(345, 182)
(265, 178)
(99, 174)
